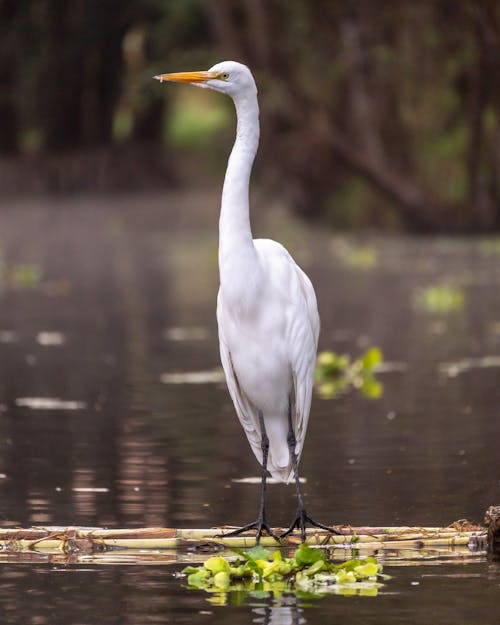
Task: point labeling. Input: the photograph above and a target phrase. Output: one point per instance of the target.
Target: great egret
(266, 310)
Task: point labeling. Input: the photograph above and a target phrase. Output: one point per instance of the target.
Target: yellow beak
(188, 77)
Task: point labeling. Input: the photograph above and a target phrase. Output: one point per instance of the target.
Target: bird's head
(230, 77)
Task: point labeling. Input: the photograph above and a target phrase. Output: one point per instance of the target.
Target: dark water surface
(105, 304)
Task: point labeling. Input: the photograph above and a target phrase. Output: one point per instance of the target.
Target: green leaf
(372, 388)
(369, 569)
(222, 580)
(327, 360)
(331, 364)
(239, 572)
(318, 566)
(371, 359)
(330, 389)
(349, 565)
(335, 374)
(285, 568)
(256, 553)
(308, 555)
(346, 577)
(266, 567)
(309, 573)
(198, 579)
(217, 564)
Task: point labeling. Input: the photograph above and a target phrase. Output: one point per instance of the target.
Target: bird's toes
(300, 522)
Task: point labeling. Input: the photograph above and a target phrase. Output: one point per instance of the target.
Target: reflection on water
(114, 382)
(189, 333)
(134, 595)
(49, 403)
(50, 338)
(286, 612)
(92, 434)
(194, 377)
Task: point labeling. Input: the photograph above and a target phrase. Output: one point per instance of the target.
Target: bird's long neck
(236, 249)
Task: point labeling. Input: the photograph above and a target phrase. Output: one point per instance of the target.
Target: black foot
(300, 522)
(260, 525)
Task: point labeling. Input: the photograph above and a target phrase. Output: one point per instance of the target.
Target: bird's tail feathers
(281, 472)
(283, 475)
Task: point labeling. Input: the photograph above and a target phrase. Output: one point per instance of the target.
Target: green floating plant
(440, 299)
(259, 573)
(336, 373)
(24, 276)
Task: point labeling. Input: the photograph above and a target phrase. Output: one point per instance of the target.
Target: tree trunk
(9, 127)
(62, 85)
(418, 211)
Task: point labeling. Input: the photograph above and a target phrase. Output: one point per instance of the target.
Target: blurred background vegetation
(382, 114)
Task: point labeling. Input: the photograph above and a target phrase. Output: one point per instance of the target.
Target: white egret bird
(266, 310)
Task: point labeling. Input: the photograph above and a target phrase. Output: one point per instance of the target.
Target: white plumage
(268, 340)
(266, 308)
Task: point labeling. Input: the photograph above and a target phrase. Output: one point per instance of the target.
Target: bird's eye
(224, 76)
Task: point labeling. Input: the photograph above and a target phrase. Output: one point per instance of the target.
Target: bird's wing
(303, 332)
(245, 410)
(298, 300)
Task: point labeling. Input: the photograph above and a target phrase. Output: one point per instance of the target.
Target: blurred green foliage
(19, 276)
(356, 256)
(490, 246)
(382, 115)
(194, 122)
(440, 299)
(336, 373)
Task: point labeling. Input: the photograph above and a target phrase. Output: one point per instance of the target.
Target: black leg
(261, 523)
(301, 517)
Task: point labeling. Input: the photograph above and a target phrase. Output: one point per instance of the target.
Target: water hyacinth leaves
(336, 373)
(259, 572)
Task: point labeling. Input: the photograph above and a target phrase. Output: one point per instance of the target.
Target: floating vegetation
(259, 573)
(356, 256)
(440, 299)
(23, 276)
(336, 373)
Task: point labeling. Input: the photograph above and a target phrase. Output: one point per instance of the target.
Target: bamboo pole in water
(57, 540)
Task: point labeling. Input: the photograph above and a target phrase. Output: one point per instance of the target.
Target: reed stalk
(88, 540)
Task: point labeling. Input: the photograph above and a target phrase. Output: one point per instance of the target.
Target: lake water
(107, 309)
